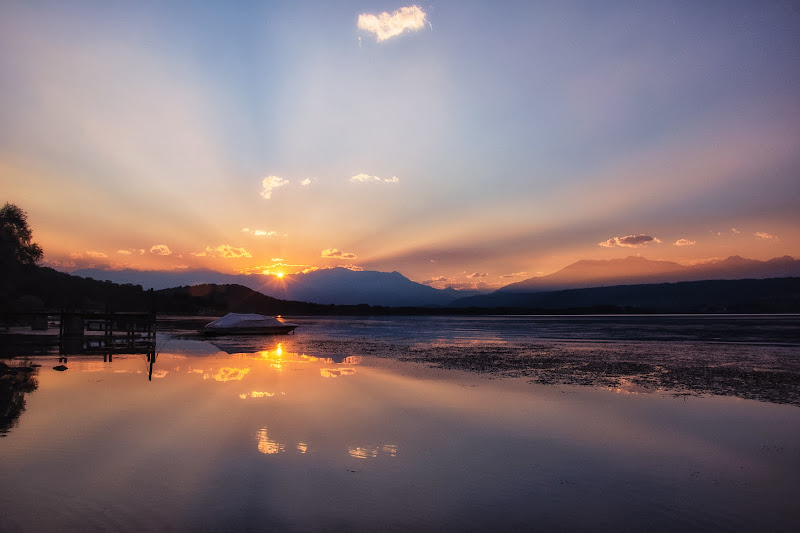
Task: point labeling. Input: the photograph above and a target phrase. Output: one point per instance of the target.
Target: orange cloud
(515, 275)
(160, 249)
(766, 236)
(684, 242)
(224, 250)
(333, 253)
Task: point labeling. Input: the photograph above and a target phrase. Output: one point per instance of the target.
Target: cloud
(160, 249)
(469, 286)
(438, 279)
(96, 255)
(337, 254)
(125, 252)
(515, 275)
(766, 236)
(387, 25)
(629, 241)
(270, 183)
(224, 250)
(684, 242)
(366, 178)
(306, 182)
(478, 275)
(735, 231)
(263, 233)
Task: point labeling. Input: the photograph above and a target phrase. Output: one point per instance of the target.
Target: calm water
(368, 424)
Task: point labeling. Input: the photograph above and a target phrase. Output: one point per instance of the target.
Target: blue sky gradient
(521, 135)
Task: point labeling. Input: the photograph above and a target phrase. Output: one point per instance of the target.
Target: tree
(16, 247)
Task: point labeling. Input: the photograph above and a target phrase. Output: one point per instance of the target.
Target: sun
(279, 275)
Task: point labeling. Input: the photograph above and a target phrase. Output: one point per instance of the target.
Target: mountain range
(338, 286)
(635, 270)
(341, 286)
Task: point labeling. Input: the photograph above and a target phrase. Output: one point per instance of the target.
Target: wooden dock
(81, 332)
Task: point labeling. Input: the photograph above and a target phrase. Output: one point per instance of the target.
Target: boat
(247, 324)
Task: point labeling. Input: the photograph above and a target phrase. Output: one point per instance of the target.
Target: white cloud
(684, 242)
(270, 183)
(263, 233)
(366, 178)
(630, 241)
(387, 25)
(306, 182)
(333, 253)
(160, 249)
(766, 236)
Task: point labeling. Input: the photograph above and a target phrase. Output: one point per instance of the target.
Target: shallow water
(365, 424)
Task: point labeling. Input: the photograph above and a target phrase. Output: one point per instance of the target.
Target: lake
(415, 423)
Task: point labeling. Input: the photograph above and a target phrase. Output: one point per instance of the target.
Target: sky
(464, 144)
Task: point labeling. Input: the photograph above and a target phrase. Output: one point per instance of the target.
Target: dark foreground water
(465, 424)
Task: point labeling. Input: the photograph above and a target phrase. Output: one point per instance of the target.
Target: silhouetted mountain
(211, 299)
(338, 286)
(39, 289)
(638, 270)
(162, 279)
(774, 295)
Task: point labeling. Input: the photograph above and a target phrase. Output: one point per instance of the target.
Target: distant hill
(774, 295)
(211, 299)
(638, 270)
(338, 286)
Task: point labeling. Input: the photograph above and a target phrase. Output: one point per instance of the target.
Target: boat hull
(271, 330)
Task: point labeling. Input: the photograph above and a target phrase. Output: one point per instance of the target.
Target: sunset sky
(455, 142)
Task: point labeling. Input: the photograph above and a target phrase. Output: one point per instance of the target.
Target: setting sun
(279, 275)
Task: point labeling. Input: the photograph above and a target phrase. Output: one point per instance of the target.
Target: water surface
(401, 423)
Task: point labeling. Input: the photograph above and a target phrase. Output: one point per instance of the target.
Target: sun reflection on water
(267, 445)
(372, 452)
(258, 394)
